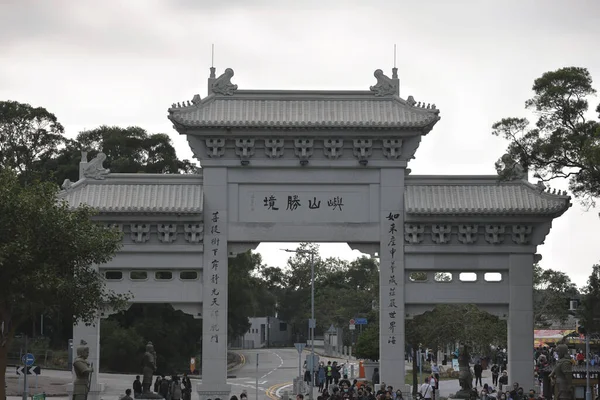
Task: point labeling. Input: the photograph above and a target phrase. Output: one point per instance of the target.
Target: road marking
(279, 366)
(272, 391)
(280, 389)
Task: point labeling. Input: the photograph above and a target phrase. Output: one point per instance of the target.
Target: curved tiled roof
(514, 198)
(294, 111)
(144, 198)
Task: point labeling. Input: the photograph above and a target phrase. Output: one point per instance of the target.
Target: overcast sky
(124, 62)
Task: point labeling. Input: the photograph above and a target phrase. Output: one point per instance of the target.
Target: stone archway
(326, 166)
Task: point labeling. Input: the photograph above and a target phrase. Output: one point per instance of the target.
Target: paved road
(275, 367)
(276, 370)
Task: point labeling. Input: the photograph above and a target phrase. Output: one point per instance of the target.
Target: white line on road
(281, 389)
(275, 369)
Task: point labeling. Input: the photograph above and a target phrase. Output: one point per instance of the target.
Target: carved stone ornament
(95, 168)
(467, 234)
(363, 148)
(215, 148)
(303, 148)
(118, 227)
(384, 86)
(140, 233)
(494, 234)
(440, 233)
(167, 233)
(413, 233)
(193, 232)
(244, 149)
(521, 234)
(332, 148)
(274, 148)
(223, 85)
(392, 148)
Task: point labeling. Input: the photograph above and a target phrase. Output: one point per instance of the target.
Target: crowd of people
(173, 388)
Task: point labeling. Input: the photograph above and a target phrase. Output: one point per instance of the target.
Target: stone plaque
(304, 203)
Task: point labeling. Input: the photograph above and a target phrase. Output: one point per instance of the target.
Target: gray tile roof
(110, 196)
(270, 109)
(480, 198)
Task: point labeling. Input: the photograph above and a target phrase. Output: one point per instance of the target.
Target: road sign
(28, 359)
(31, 370)
(352, 321)
(300, 346)
(352, 327)
(360, 321)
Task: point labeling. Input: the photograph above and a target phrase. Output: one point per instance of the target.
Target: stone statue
(562, 375)
(83, 373)
(95, 168)
(384, 86)
(509, 169)
(223, 83)
(465, 377)
(149, 367)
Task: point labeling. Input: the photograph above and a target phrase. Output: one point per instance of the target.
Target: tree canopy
(47, 258)
(565, 141)
(590, 305)
(552, 292)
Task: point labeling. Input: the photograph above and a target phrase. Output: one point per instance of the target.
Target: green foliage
(175, 335)
(47, 258)
(367, 345)
(122, 348)
(342, 290)
(248, 295)
(590, 305)
(552, 292)
(29, 137)
(564, 143)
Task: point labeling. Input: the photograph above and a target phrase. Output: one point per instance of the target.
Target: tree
(564, 143)
(133, 150)
(47, 258)
(590, 305)
(29, 137)
(552, 292)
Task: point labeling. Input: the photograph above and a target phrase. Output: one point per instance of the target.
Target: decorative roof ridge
(482, 180)
(133, 179)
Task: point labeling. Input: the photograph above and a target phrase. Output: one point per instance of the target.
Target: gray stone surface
(321, 166)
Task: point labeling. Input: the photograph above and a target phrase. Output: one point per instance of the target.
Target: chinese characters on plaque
(392, 234)
(294, 202)
(215, 293)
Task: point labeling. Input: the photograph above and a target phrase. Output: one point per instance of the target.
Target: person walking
(426, 390)
(478, 370)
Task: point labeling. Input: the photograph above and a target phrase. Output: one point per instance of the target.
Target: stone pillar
(391, 278)
(520, 320)
(91, 335)
(214, 291)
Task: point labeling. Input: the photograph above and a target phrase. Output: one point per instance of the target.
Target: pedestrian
(495, 373)
(127, 395)
(426, 390)
(435, 370)
(321, 377)
(176, 388)
(478, 370)
(137, 387)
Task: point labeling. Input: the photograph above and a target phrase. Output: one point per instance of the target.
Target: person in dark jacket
(375, 379)
(478, 370)
(137, 387)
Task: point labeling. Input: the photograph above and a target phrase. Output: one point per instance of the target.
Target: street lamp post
(312, 323)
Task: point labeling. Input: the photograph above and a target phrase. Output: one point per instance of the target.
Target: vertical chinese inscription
(216, 297)
(391, 307)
